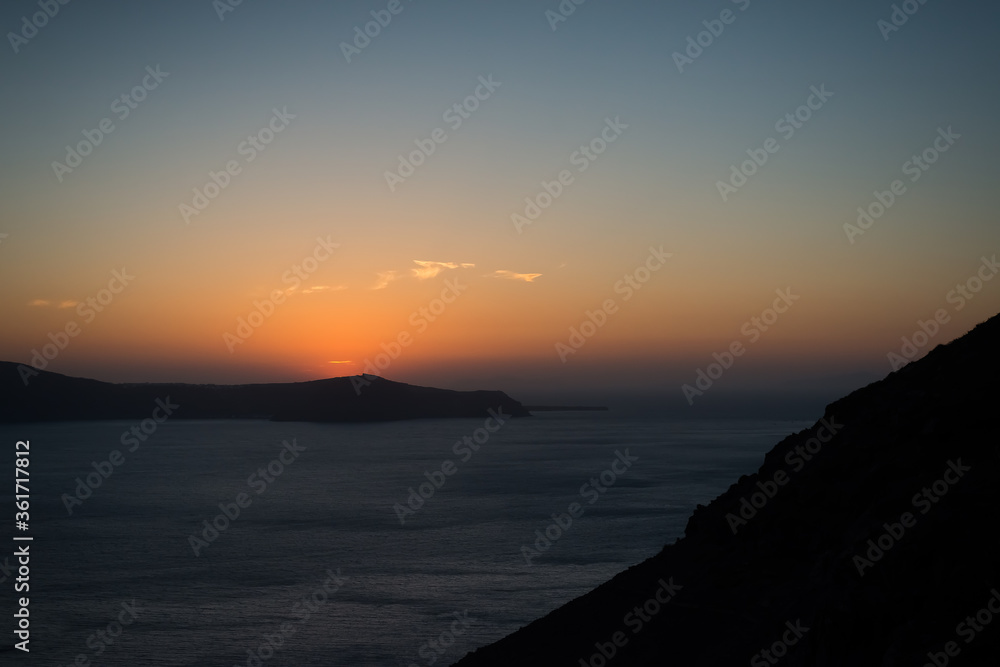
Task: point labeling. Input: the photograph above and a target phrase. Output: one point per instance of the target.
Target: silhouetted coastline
(868, 539)
(54, 397)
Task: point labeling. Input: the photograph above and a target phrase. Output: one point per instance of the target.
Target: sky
(469, 183)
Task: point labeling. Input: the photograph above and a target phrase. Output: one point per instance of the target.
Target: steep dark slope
(53, 397)
(912, 465)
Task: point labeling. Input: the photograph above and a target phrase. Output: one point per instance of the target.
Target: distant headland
(50, 396)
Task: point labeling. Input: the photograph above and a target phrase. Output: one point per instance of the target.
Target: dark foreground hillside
(872, 538)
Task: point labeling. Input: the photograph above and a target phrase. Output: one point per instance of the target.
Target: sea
(252, 543)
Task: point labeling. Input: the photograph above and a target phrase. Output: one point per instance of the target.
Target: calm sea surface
(318, 560)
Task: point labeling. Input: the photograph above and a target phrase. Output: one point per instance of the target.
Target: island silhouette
(48, 396)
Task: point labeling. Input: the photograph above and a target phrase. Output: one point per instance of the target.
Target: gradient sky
(656, 185)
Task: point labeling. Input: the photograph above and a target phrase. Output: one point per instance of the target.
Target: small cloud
(384, 278)
(340, 362)
(430, 269)
(39, 303)
(423, 271)
(68, 304)
(510, 275)
(324, 288)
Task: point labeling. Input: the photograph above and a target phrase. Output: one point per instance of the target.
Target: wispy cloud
(427, 270)
(340, 362)
(45, 303)
(384, 278)
(423, 271)
(324, 288)
(510, 275)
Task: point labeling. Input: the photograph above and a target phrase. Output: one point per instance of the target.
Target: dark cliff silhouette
(54, 397)
(872, 538)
